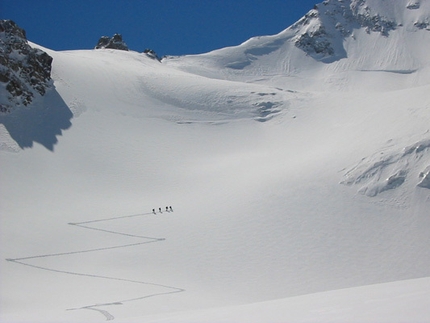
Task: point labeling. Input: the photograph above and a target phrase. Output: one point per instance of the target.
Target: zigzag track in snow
(85, 225)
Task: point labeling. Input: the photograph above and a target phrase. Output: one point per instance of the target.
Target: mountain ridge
(336, 37)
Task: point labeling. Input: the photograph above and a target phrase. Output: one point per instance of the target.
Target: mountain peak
(322, 31)
(335, 36)
(115, 42)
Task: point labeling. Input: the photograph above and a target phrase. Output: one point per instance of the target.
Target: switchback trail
(91, 225)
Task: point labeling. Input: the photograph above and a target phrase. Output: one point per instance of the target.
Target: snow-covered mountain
(296, 165)
(333, 46)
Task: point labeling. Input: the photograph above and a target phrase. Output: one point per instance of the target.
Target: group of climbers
(168, 209)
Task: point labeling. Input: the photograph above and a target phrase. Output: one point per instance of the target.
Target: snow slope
(299, 184)
(401, 301)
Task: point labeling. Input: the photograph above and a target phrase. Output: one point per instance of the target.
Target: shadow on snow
(42, 121)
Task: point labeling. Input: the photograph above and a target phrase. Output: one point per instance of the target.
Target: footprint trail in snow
(91, 225)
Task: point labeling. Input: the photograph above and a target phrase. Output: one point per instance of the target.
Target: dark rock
(152, 54)
(26, 71)
(322, 41)
(422, 25)
(413, 5)
(316, 42)
(115, 42)
(425, 178)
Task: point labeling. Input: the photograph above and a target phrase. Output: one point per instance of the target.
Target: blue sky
(170, 27)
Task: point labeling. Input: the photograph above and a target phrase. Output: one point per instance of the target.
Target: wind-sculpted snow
(389, 169)
(222, 100)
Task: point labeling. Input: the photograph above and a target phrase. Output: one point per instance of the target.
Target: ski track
(96, 307)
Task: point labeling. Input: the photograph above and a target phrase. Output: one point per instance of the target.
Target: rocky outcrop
(374, 22)
(413, 5)
(425, 178)
(25, 72)
(320, 32)
(422, 25)
(115, 42)
(316, 42)
(151, 54)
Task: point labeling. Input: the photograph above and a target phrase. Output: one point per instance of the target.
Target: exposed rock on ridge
(25, 72)
(321, 31)
(151, 54)
(115, 42)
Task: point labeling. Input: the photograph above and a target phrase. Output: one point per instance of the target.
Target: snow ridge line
(95, 307)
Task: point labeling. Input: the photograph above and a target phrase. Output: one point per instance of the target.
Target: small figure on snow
(153, 211)
(159, 209)
(167, 209)
(171, 210)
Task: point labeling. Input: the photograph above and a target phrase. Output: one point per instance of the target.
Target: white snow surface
(299, 187)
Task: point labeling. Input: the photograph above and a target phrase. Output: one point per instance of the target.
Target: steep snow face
(340, 38)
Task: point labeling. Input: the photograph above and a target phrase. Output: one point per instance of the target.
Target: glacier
(296, 165)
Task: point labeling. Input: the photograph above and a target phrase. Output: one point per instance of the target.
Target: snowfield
(299, 184)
